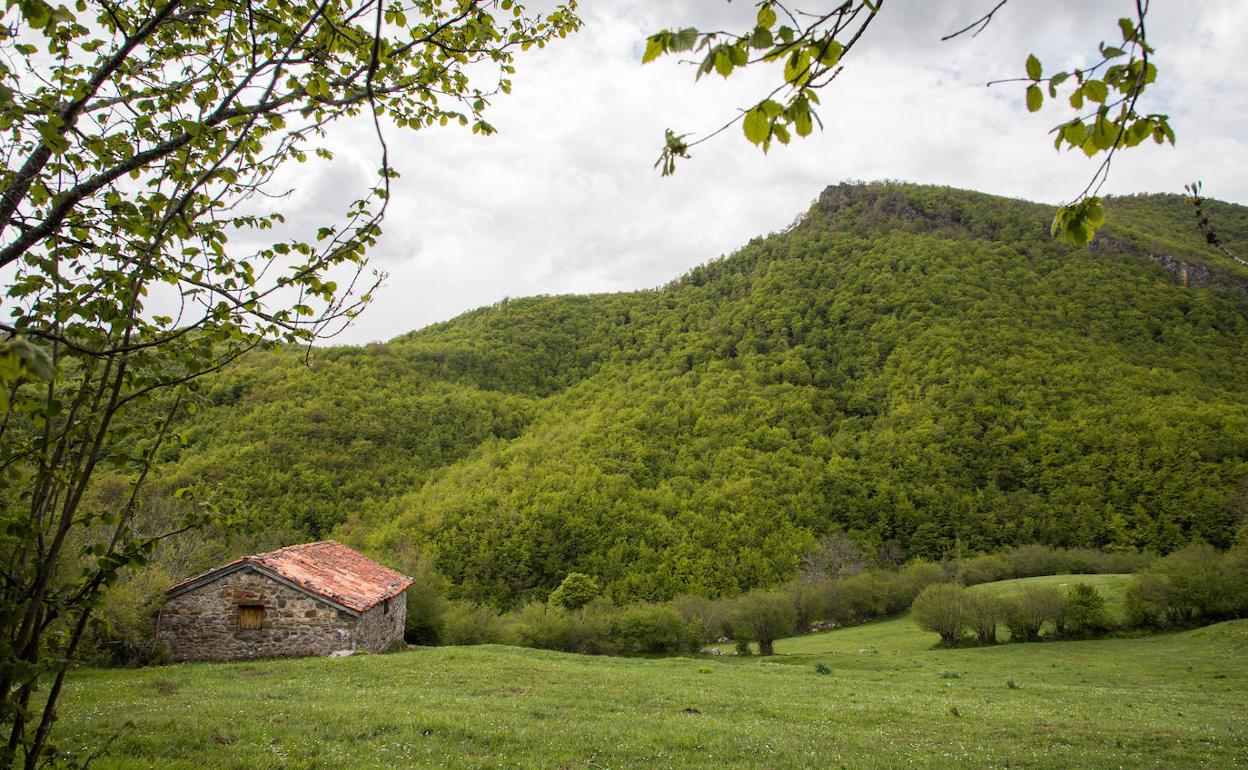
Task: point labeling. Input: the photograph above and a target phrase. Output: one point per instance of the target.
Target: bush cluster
(819, 598)
(1195, 585)
(962, 616)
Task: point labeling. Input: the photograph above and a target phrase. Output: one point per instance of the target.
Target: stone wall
(202, 624)
(378, 630)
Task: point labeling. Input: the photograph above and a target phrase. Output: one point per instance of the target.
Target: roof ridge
(294, 547)
(324, 568)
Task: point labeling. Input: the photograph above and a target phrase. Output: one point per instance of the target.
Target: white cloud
(564, 199)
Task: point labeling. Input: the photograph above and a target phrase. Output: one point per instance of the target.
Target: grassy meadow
(1172, 700)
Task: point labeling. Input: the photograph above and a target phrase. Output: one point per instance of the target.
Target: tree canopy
(144, 143)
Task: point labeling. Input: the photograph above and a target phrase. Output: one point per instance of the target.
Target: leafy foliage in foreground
(922, 368)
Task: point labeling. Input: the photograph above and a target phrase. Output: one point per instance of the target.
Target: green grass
(899, 637)
(1173, 700)
(1112, 587)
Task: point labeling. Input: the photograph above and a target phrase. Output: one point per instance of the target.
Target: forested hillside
(921, 367)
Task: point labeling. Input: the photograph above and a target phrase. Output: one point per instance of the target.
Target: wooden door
(250, 617)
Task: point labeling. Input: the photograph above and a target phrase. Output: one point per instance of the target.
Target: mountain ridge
(922, 367)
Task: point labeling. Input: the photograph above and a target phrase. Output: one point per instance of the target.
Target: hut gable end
(309, 599)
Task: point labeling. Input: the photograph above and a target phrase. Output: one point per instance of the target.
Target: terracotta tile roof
(326, 568)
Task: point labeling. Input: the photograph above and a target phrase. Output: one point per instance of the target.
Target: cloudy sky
(565, 199)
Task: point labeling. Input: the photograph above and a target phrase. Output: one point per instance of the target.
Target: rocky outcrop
(1198, 275)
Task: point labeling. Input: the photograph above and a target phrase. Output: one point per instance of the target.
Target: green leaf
(756, 126)
(1034, 70)
(1077, 224)
(1104, 133)
(37, 13)
(766, 16)
(802, 123)
(829, 52)
(1096, 90)
(1139, 131)
(1128, 29)
(1035, 99)
(654, 49)
(797, 68)
(762, 38)
(1056, 81)
(20, 358)
(683, 40)
(1075, 133)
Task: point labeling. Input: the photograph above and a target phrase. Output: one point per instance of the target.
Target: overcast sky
(565, 199)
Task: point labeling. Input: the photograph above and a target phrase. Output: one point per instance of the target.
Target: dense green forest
(923, 368)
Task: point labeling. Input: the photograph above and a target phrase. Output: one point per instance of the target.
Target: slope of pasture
(1176, 700)
(900, 636)
(1112, 587)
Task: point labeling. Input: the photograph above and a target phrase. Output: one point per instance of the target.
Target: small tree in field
(983, 613)
(763, 617)
(1085, 611)
(1027, 611)
(942, 609)
(576, 590)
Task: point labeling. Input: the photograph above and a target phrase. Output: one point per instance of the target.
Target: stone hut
(309, 599)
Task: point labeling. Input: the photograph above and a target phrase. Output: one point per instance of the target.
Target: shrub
(1027, 611)
(426, 604)
(1034, 560)
(808, 596)
(863, 597)
(984, 569)
(1195, 584)
(763, 617)
(1085, 611)
(919, 575)
(705, 619)
(122, 628)
(941, 608)
(425, 598)
(649, 628)
(892, 593)
(1092, 561)
(471, 623)
(551, 627)
(983, 612)
(576, 590)
(833, 602)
